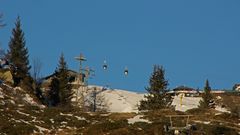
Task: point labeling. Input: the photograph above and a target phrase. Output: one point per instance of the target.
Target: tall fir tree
(157, 89)
(207, 97)
(18, 56)
(53, 94)
(65, 88)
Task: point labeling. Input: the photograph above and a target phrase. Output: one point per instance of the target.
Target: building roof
(183, 88)
(70, 72)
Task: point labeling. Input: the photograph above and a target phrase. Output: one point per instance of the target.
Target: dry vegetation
(19, 117)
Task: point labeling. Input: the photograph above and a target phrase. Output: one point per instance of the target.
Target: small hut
(186, 91)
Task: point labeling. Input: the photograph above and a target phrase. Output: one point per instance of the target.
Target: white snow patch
(63, 126)
(206, 122)
(20, 105)
(23, 113)
(203, 122)
(137, 118)
(12, 119)
(105, 115)
(221, 109)
(1, 94)
(91, 114)
(35, 111)
(42, 106)
(26, 122)
(217, 114)
(11, 101)
(70, 115)
(64, 123)
(34, 119)
(29, 99)
(52, 121)
(80, 118)
(18, 88)
(35, 132)
(219, 98)
(187, 103)
(67, 127)
(42, 129)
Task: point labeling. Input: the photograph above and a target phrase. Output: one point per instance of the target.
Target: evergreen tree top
(207, 86)
(18, 22)
(157, 98)
(65, 89)
(17, 31)
(18, 52)
(62, 66)
(206, 96)
(157, 82)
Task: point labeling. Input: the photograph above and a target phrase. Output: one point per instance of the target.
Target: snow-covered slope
(119, 100)
(122, 101)
(186, 103)
(17, 97)
(127, 101)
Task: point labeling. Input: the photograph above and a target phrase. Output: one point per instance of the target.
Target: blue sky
(193, 40)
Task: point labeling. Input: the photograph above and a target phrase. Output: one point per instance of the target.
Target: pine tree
(157, 97)
(206, 96)
(53, 94)
(65, 89)
(18, 56)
